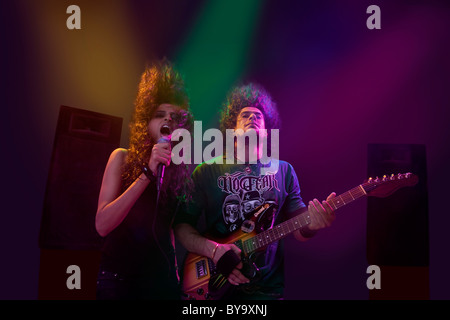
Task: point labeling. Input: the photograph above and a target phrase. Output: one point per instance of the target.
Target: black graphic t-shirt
(228, 194)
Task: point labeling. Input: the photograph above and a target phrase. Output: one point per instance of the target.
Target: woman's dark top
(140, 254)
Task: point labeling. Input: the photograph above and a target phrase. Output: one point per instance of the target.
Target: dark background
(339, 87)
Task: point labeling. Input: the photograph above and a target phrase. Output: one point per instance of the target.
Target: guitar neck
(287, 227)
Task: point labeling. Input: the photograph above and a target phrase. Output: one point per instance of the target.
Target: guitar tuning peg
(370, 180)
(377, 179)
(400, 176)
(384, 178)
(392, 177)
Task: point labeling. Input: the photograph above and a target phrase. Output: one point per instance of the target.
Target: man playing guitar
(235, 197)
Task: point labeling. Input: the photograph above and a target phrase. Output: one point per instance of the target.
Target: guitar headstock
(385, 186)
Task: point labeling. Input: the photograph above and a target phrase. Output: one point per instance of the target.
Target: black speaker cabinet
(397, 226)
(83, 142)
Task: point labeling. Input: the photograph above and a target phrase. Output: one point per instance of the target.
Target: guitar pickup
(201, 268)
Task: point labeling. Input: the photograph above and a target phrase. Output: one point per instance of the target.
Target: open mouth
(165, 130)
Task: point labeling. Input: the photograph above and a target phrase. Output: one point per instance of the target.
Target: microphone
(165, 137)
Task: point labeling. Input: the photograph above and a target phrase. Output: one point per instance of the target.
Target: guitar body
(201, 281)
(198, 271)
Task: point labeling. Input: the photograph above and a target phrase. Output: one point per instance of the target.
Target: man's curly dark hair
(160, 83)
(249, 95)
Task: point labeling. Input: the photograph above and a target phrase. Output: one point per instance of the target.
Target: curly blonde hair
(160, 83)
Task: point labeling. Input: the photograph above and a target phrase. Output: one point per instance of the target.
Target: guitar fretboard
(285, 228)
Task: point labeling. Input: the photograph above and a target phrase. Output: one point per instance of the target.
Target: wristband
(148, 173)
(214, 251)
(227, 263)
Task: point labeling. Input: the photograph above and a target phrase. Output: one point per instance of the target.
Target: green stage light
(215, 53)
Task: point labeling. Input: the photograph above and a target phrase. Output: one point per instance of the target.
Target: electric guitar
(201, 280)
